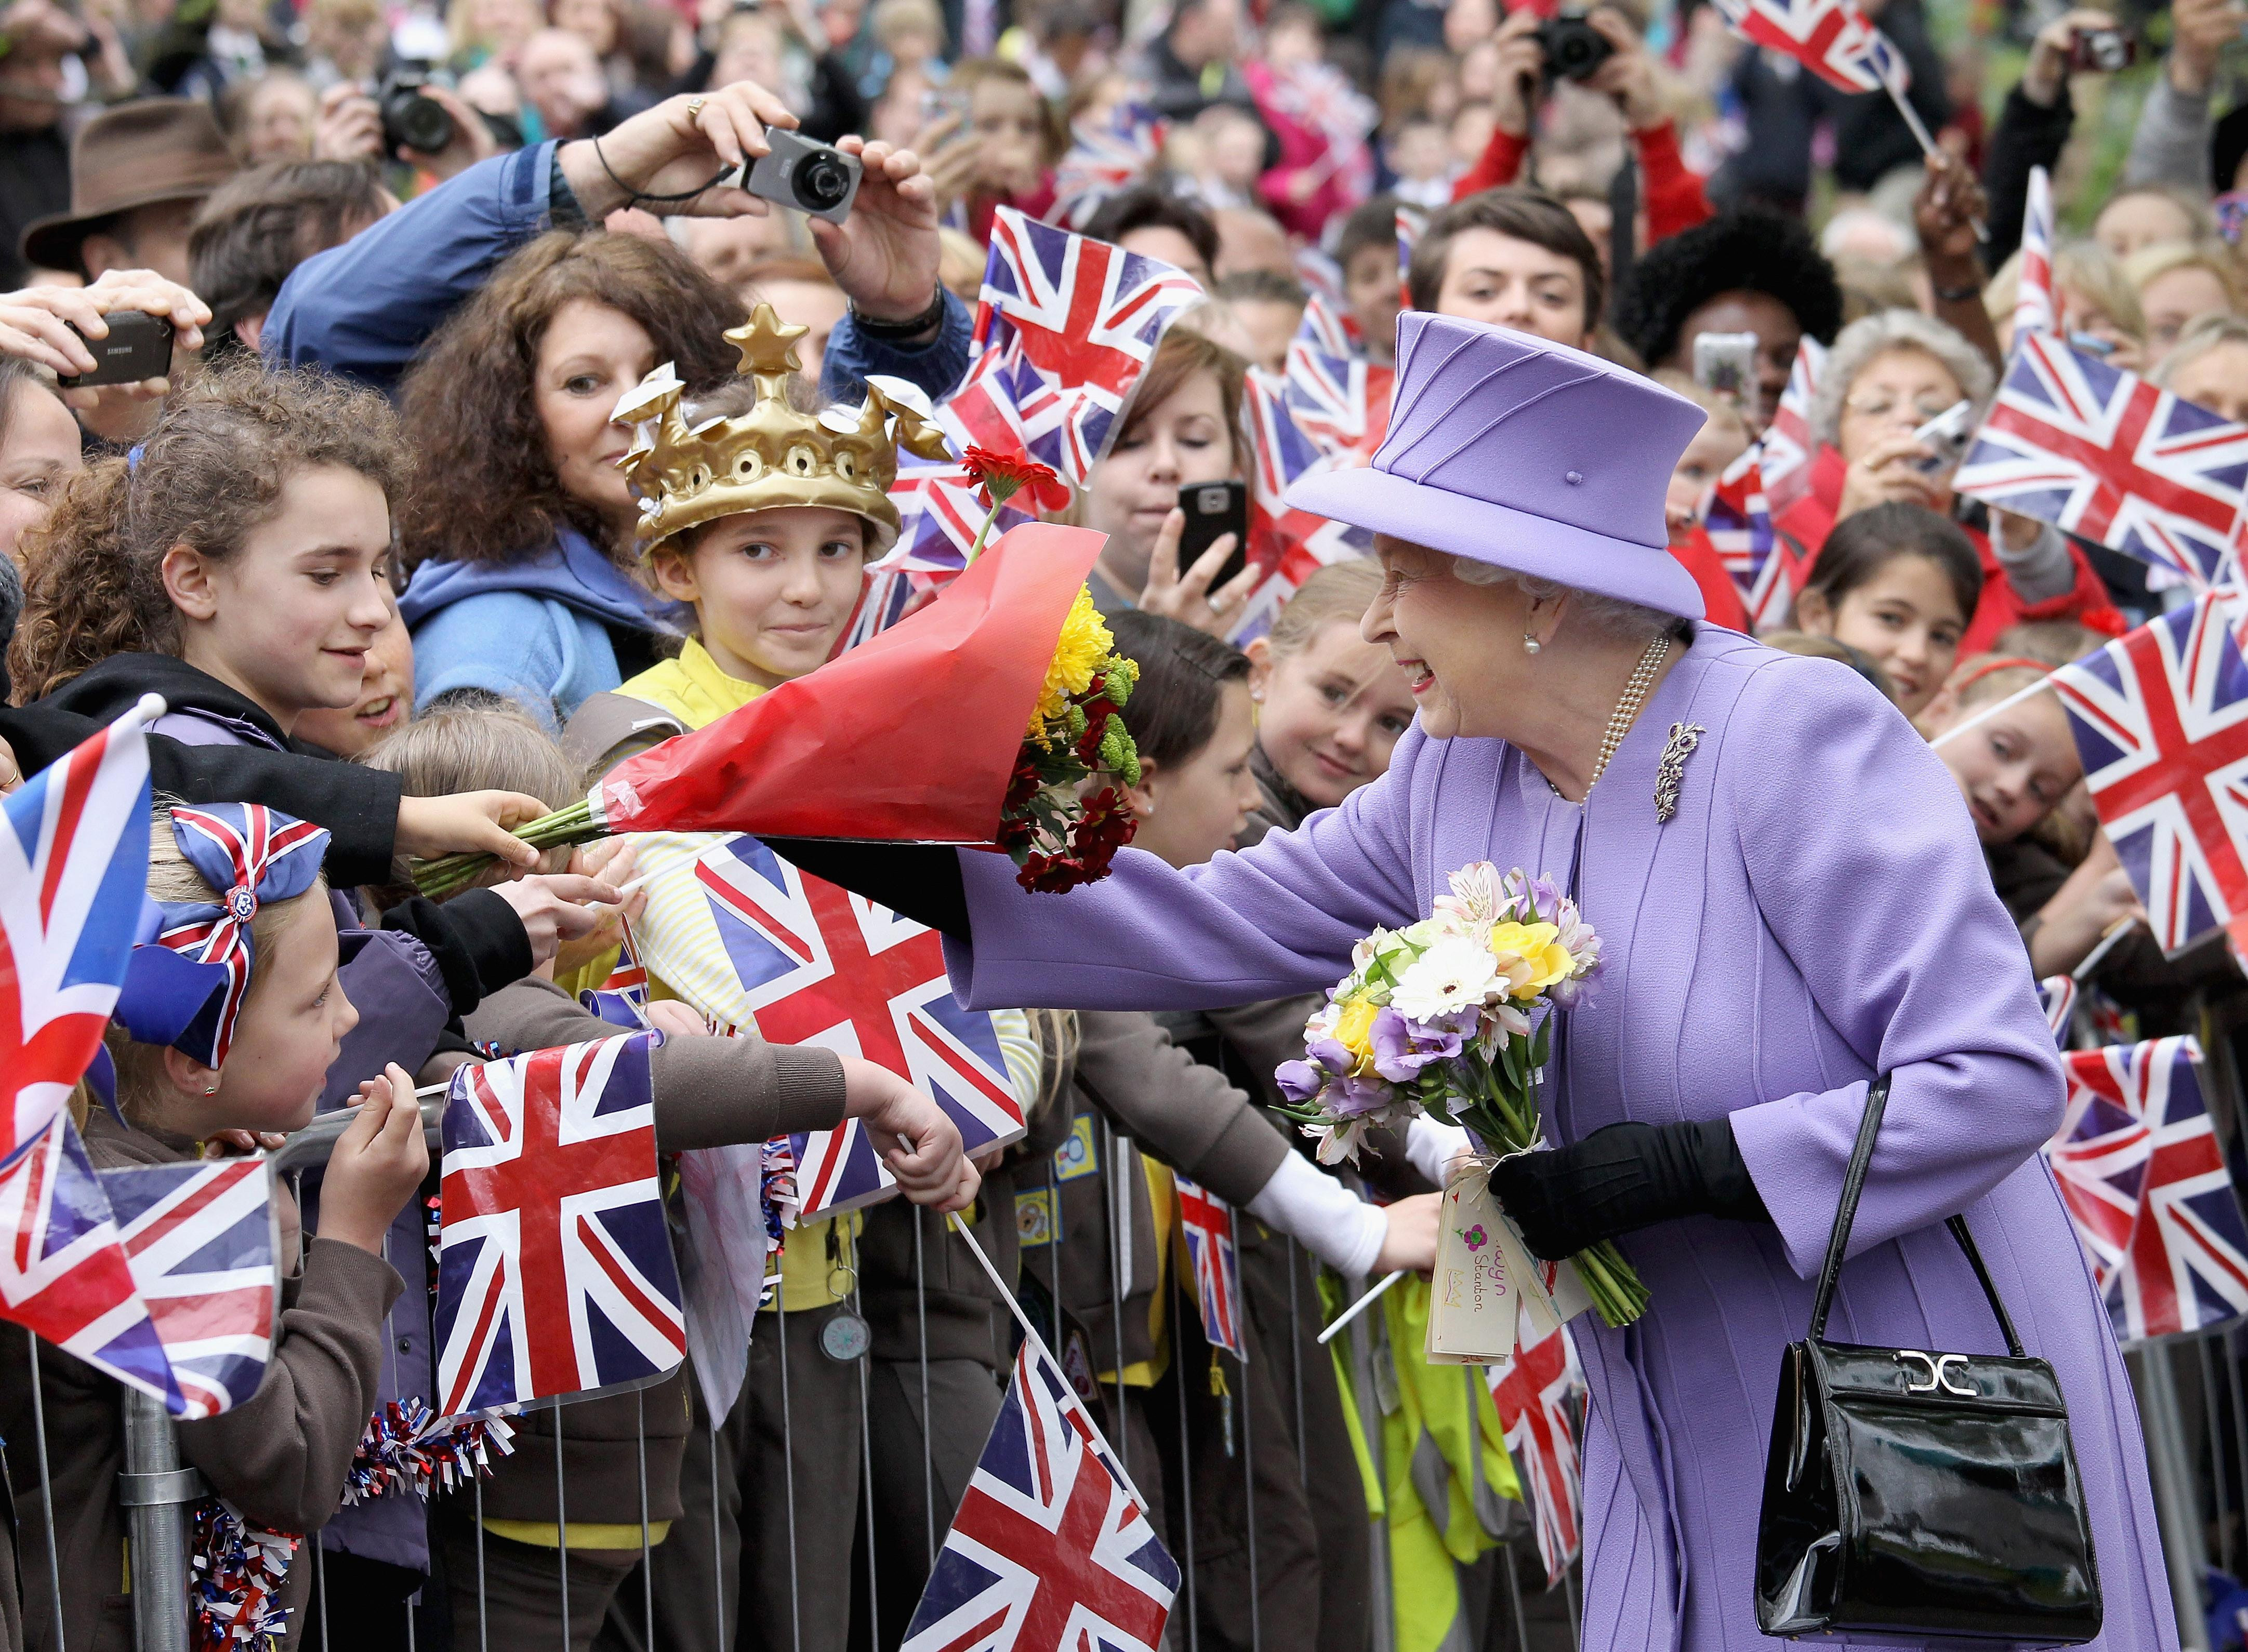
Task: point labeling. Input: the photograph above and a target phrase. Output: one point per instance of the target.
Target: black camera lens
(413, 121)
(1575, 49)
(821, 183)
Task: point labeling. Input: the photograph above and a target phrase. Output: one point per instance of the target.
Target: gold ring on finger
(695, 106)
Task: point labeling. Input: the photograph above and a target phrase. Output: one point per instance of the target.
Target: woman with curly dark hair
(519, 522)
(1745, 271)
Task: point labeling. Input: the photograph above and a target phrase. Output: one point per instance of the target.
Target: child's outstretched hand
(916, 1140)
(377, 1164)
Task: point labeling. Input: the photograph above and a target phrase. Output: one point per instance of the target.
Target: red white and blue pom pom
(408, 1447)
(237, 1571)
(776, 1194)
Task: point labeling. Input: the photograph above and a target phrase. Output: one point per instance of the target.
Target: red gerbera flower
(1000, 476)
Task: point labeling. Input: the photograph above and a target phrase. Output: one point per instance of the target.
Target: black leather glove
(920, 881)
(1624, 1178)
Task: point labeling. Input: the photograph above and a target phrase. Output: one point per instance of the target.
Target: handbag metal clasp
(1939, 1373)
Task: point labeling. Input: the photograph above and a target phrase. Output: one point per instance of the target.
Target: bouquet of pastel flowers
(1452, 1016)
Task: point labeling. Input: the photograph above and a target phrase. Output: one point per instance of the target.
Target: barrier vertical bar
(717, 1537)
(1364, 1351)
(320, 1588)
(1117, 1198)
(646, 1559)
(2214, 1453)
(1514, 1597)
(1248, 1489)
(46, 1487)
(2183, 1548)
(867, 1471)
(1296, 1363)
(928, 1439)
(1186, 1492)
(788, 1471)
(483, 1600)
(561, 1529)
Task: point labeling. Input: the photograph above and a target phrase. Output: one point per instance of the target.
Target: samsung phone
(138, 346)
(1215, 510)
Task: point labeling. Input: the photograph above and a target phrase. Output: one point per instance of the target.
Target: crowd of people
(367, 530)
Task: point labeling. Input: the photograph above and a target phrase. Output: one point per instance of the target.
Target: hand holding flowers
(1452, 1016)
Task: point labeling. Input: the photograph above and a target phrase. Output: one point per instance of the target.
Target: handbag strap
(1838, 1241)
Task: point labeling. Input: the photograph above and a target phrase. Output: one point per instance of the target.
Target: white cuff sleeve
(1322, 1215)
(1433, 1144)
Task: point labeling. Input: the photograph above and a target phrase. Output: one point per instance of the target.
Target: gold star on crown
(770, 456)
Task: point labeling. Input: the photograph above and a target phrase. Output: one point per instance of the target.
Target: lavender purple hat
(1525, 454)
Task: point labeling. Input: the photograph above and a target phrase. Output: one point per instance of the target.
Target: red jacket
(1670, 189)
(1810, 519)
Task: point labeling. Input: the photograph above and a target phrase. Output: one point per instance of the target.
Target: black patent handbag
(1916, 1493)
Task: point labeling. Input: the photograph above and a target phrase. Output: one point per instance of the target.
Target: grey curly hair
(1605, 615)
(1877, 334)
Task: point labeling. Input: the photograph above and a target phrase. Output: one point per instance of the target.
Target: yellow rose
(1354, 1030)
(1543, 960)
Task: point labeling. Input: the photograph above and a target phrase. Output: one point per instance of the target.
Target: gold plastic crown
(770, 456)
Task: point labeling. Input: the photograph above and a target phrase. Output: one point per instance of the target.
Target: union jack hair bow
(186, 987)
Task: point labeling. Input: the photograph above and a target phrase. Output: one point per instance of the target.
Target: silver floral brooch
(1671, 771)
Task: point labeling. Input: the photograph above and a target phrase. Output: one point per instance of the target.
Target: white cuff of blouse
(1432, 1145)
(1322, 1215)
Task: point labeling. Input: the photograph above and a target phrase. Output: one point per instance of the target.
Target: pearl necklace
(1627, 709)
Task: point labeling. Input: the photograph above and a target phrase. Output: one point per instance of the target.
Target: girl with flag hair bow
(229, 1020)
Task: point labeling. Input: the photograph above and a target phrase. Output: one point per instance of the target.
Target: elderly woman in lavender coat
(1790, 901)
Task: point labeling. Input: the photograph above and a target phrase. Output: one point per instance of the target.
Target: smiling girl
(1898, 584)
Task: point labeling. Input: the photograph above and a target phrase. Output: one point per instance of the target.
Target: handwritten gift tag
(1473, 1303)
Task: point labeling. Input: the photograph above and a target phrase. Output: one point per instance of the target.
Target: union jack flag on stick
(1534, 1392)
(554, 1268)
(1104, 156)
(205, 1252)
(1287, 545)
(2161, 720)
(1339, 401)
(1051, 1550)
(73, 882)
(749, 939)
(1206, 1225)
(1786, 452)
(2035, 310)
(1830, 38)
(2103, 453)
(2144, 1179)
(1074, 322)
(1738, 520)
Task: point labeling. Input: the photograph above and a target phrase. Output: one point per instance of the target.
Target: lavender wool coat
(1816, 911)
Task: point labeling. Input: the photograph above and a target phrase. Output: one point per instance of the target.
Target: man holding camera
(1602, 53)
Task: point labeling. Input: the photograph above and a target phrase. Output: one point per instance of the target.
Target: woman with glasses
(1890, 376)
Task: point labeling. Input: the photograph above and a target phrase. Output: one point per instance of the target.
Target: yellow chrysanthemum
(1084, 643)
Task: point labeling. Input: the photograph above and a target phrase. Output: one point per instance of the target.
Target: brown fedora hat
(137, 154)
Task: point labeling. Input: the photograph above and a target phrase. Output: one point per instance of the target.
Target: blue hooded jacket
(534, 629)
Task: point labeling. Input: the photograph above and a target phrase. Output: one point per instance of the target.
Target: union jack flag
(1206, 1223)
(1787, 447)
(2146, 1185)
(554, 1267)
(941, 513)
(1339, 400)
(1285, 544)
(63, 1273)
(205, 1252)
(1327, 325)
(1066, 328)
(1534, 1392)
(1738, 520)
(73, 881)
(2058, 994)
(2035, 310)
(2161, 719)
(1830, 38)
(2103, 453)
(1105, 155)
(1410, 223)
(1051, 1550)
(887, 595)
(809, 963)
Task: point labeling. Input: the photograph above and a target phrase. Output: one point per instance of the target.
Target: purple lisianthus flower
(1299, 1081)
(1402, 1047)
(1349, 1097)
(1332, 1055)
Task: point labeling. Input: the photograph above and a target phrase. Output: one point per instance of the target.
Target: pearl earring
(1531, 645)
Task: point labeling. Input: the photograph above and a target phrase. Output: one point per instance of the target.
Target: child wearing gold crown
(761, 513)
